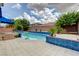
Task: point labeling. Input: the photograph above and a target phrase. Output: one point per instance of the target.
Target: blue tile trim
(63, 43)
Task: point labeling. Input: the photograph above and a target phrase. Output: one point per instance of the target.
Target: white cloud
(35, 20)
(46, 13)
(21, 17)
(52, 10)
(43, 21)
(38, 6)
(26, 15)
(18, 6)
(57, 14)
(74, 7)
(48, 16)
(35, 13)
(31, 19)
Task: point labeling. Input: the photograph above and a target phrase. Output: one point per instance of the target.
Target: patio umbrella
(5, 20)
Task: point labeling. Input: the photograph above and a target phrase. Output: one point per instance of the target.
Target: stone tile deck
(68, 36)
(19, 47)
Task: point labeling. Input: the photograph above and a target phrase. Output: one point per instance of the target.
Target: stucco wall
(71, 29)
(44, 27)
(6, 29)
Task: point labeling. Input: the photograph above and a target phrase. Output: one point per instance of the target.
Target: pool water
(34, 36)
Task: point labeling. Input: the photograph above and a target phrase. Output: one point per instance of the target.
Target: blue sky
(41, 13)
(11, 11)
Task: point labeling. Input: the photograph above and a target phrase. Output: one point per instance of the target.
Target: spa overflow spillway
(41, 36)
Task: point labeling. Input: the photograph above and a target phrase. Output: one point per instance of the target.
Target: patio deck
(17, 47)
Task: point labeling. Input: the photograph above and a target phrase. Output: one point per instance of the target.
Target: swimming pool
(34, 35)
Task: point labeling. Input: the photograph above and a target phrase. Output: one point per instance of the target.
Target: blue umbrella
(5, 20)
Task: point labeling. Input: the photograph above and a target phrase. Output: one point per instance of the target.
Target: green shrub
(60, 30)
(21, 24)
(53, 31)
(68, 18)
(19, 27)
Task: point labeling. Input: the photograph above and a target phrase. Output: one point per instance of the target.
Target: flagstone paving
(20, 47)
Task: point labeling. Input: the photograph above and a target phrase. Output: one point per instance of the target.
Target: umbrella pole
(0, 12)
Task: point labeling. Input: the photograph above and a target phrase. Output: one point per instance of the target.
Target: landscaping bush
(22, 24)
(69, 18)
(53, 31)
(60, 30)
